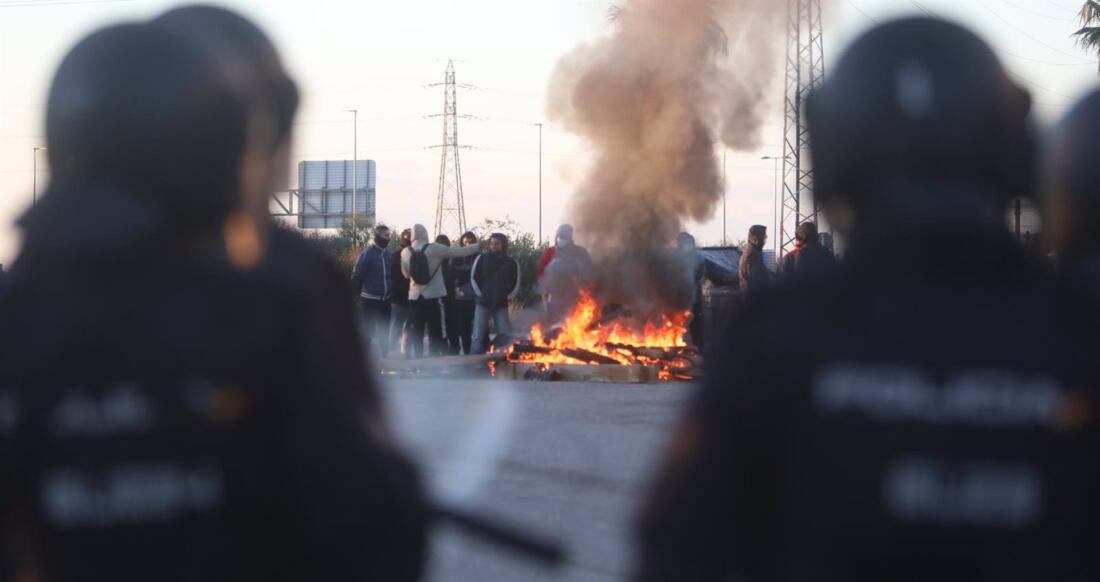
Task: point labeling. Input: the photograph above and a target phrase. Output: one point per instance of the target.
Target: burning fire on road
(593, 336)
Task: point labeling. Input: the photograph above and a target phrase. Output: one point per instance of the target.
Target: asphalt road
(566, 460)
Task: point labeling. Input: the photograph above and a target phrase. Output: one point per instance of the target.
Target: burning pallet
(594, 344)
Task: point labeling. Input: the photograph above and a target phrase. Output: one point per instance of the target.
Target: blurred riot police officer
(251, 62)
(916, 415)
(1071, 192)
(164, 414)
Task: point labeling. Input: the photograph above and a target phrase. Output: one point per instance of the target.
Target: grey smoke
(653, 99)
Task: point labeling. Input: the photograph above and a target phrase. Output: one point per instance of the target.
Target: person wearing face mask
(372, 279)
(564, 248)
(564, 270)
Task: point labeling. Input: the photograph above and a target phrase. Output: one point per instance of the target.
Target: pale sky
(379, 57)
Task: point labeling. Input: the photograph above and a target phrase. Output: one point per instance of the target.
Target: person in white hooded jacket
(425, 300)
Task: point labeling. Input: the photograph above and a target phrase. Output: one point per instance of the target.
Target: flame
(617, 340)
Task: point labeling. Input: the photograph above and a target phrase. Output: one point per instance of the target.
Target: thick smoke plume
(653, 100)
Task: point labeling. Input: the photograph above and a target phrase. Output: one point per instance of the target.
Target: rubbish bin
(719, 305)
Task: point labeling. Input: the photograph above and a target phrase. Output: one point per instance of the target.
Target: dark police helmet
(247, 56)
(1071, 178)
(136, 111)
(919, 99)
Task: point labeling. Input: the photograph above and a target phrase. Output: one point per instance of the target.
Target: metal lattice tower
(805, 71)
(450, 210)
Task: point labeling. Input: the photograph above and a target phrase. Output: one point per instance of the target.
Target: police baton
(549, 552)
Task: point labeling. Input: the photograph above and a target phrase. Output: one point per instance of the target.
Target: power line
(1040, 14)
(926, 11)
(361, 119)
(526, 152)
(41, 3)
(1045, 62)
(1024, 32)
(1026, 81)
(865, 15)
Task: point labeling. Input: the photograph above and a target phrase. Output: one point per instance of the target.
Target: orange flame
(581, 331)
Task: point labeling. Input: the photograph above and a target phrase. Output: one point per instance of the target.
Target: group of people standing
(430, 292)
(183, 394)
(809, 257)
(418, 291)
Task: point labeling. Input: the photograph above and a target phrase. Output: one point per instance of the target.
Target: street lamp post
(775, 202)
(539, 125)
(34, 179)
(354, 171)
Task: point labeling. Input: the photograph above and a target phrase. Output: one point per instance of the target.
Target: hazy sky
(380, 57)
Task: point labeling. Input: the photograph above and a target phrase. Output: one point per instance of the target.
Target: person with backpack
(495, 278)
(422, 263)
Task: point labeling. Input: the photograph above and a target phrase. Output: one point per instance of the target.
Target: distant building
(324, 190)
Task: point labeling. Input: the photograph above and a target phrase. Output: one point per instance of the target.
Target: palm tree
(1088, 37)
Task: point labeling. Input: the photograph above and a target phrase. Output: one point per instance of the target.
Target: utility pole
(450, 210)
(34, 178)
(354, 172)
(805, 71)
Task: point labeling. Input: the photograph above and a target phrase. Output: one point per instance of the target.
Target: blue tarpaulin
(721, 264)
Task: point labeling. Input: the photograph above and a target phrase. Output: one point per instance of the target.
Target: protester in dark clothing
(451, 344)
(696, 270)
(564, 247)
(162, 406)
(465, 298)
(495, 276)
(809, 256)
(915, 415)
(372, 278)
(752, 272)
(399, 299)
(563, 271)
(425, 298)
